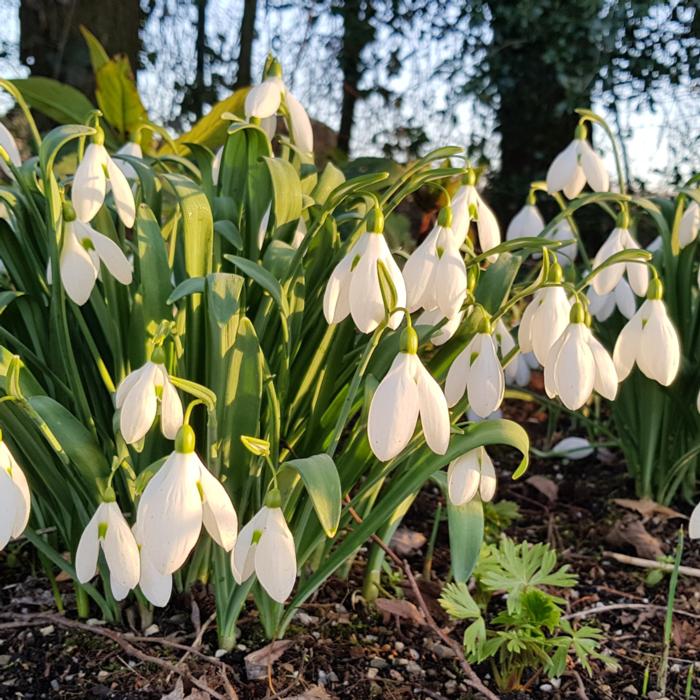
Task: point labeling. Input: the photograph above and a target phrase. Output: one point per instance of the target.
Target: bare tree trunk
(247, 37)
(51, 43)
(200, 48)
(357, 33)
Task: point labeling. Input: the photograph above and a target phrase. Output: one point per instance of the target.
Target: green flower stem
(639, 256)
(352, 390)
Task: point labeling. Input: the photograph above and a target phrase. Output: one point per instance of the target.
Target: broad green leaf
(228, 231)
(192, 285)
(330, 179)
(264, 278)
(286, 188)
(211, 129)
(495, 283)
(73, 438)
(58, 101)
(322, 483)
(98, 55)
(466, 527)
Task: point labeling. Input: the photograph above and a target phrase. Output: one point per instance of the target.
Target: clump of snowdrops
(210, 355)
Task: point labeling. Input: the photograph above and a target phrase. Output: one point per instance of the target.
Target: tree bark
(200, 49)
(357, 33)
(537, 91)
(247, 37)
(51, 43)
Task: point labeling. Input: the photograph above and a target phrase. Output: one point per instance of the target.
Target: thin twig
(581, 689)
(471, 677)
(651, 564)
(123, 642)
(625, 606)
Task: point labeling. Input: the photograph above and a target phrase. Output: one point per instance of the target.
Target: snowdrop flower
(266, 547)
(637, 273)
(622, 298)
(176, 501)
(577, 364)
(573, 448)
(407, 392)
(435, 275)
(467, 206)
(15, 501)
(8, 143)
(470, 474)
(353, 287)
(90, 184)
(109, 531)
(474, 418)
(545, 318)
(477, 370)
(82, 252)
(650, 340)
(137, 399)
(694, 525)
(517, 370)
(577, 164)
(264, 101)
(155, 586)
(527, 223)
(133, 150)
(431, 317)
(690, 223)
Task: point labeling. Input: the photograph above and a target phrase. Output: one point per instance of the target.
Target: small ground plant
(530, 635)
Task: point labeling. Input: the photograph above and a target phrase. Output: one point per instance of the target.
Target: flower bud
(409, 341)
(185, 440)
(445, 217)
(656, 289)
(273, 499)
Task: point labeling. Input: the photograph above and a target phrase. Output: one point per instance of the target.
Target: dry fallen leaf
(545, 486)
(407, 541)
(630, 532)
(647, 508)
(256, 662)
(400, 608)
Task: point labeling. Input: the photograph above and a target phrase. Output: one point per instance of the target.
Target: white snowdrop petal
(451, 279)
(366, 303)
(112, 256)
(89, 547)
(434, 414)
(121, 191)
(302, 133)
(243, 553)
(393, 412)
(658, 356)
(218, 513)
(264, 100)
(575, 368)
(7, 141)
(22, 500)
(485, 383)
(9, 497)
(139, 408)
(336, 298)
(549, 320)
(624, 299)
(528, 222)
(694, 524)
(627, 344)
(606, 280)
(573, 448)
(275, 557)
(457, 375)
(593, 167)
(605, 382)
(127, 384)
(563, 169)
(90, 183)
(418, 271)
(689, 225)
(463, 477)
(487, 226)
(171, 413)
(488, 481)
(172, 519)
(78, 272)
(121, 551)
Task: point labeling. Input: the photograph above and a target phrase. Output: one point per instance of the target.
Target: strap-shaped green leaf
(192, 285)
(263, 277)
(322, 483)
(466, 527)
(286, 188)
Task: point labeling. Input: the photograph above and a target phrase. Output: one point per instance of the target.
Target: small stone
(94, 622)
(55, 685)
(372, 673)
(5, 659)
(305, 619)
(451, 687)
(102, 675)
(219, 653)
(46, 631)
(151, 630)
(399, 646)
(414, 654)
(395, 675)
(241, 647)
(556, 683)
(377, 662)
(630, 690)
(546, 687)
(414, 669)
